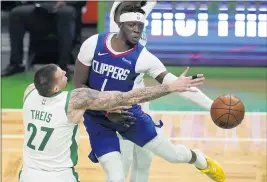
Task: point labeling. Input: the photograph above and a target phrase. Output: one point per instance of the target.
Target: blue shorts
(103, 136)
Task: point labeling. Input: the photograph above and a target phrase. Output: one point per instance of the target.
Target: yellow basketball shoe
(214, 171)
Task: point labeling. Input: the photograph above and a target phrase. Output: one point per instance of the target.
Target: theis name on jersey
(112, 71)
(41, 115)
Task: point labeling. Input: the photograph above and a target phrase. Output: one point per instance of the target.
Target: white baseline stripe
(213, 139)
(163, 112)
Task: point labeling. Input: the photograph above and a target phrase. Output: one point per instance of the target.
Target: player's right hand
(185, 83)
(123, 118)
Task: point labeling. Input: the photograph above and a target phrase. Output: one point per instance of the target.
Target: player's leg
(106, 147)
(141, 133)
(113, 167)
(144, 134)
(127, 148)
(175, 153)
(142, 159)
(109, 159)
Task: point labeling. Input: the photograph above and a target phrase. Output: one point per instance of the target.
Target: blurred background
(225, 40)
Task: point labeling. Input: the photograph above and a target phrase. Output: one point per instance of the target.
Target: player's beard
(131, 45)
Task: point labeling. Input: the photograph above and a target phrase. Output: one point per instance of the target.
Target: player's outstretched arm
(85, 98)
(151, 65)
(198, 97)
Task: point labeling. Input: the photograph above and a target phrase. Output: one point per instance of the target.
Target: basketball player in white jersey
(116, 61)
(139, 159)
(51, 117)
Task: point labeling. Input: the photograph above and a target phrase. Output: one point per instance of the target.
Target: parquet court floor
(241, 151)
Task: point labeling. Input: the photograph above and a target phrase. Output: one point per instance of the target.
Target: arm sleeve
(87, 50)
(198, 98)
(149, 64)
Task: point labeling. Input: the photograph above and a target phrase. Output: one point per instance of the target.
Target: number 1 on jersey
(104, 84)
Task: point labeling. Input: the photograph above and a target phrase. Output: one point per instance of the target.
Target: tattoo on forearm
(85, 98)
(147, 94)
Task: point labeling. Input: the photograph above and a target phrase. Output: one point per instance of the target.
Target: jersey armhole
(67, 105)
(28, 95)
(67, 102)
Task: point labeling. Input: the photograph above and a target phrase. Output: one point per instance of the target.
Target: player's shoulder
(28, 90)
(91, 39)
(146, 56)
(90, 43)
(145, 52)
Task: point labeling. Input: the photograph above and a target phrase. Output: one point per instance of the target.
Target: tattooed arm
(85, 98)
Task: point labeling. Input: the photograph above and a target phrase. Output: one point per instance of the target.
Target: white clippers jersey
(51, 140)
(114, 27)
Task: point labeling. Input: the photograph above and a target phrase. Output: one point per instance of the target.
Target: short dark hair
(44, 80)
(135, 9)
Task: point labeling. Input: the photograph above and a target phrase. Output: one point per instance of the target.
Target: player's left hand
(121, 117)
(185, 72)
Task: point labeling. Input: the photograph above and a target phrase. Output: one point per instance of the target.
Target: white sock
(201, 162)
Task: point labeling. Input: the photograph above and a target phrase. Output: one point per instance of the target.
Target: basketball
(227, 111)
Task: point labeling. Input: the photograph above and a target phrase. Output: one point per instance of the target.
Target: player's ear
(55, 89)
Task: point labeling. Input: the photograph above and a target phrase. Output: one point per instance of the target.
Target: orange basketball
(227, 111)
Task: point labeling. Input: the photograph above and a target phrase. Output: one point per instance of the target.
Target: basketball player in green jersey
(51, 120)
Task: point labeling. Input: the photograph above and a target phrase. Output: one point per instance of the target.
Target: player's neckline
(111, 53)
